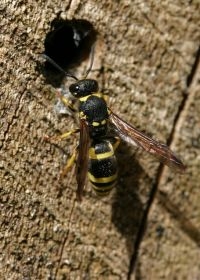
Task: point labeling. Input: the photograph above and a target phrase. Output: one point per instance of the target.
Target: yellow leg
(69, 164)
(72, 159)
(62, 136)
(65, 101)
(116, 143)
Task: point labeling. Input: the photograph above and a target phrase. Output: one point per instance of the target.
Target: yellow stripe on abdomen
(102, 180)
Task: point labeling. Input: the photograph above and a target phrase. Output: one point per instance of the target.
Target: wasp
(95, 154)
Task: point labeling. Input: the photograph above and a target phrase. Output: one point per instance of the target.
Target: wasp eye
(74, 88)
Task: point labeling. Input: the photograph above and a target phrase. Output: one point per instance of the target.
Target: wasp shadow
(127, 207)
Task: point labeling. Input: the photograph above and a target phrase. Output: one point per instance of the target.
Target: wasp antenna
(91, 61)
(50, 60)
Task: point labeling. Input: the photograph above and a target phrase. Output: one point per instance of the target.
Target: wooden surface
(150, 54)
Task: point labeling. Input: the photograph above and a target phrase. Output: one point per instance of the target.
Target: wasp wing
(133, 136)
(82, 158)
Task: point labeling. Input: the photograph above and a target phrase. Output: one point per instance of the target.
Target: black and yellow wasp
(95, 153)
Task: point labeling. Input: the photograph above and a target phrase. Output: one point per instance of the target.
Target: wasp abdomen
(102, 170)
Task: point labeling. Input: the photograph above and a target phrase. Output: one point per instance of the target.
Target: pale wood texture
(148, 50)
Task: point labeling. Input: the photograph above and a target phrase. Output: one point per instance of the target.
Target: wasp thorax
(84, 87)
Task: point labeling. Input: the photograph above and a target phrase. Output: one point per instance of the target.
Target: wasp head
(83, 88)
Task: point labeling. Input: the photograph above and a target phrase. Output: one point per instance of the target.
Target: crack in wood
(186, 226)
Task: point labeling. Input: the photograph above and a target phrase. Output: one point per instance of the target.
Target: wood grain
(148, 51)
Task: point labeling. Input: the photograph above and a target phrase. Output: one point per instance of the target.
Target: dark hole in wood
(68, 43)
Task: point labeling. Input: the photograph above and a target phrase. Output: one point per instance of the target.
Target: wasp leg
(65, 101)
(73, 157)
(62, 136)
(115, 142)
(69, 163)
